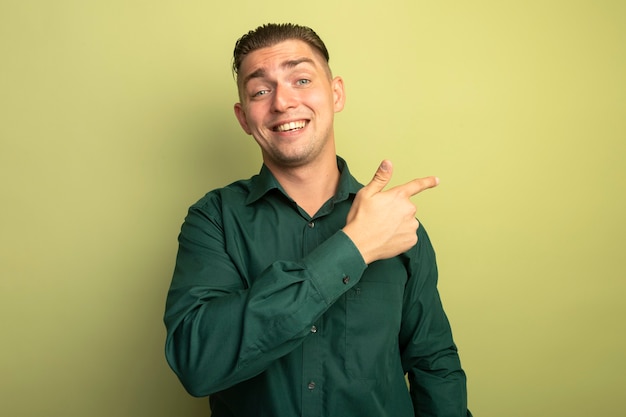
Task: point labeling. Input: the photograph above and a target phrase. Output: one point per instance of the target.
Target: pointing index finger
(417, 185)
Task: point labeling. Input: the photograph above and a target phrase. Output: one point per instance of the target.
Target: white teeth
(290, 126)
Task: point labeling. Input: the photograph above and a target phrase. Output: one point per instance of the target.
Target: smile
(291, 126)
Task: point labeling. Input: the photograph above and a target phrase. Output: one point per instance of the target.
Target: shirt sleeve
(222, 331)
(429, 354)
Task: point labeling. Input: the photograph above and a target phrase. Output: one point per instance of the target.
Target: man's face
(288, 100)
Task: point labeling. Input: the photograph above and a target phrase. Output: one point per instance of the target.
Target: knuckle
(409, 209)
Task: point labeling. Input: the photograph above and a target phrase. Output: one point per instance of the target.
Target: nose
(283, 99)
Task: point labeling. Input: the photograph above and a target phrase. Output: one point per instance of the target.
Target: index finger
(417, 185)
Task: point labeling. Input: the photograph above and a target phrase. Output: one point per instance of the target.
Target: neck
(311, 185)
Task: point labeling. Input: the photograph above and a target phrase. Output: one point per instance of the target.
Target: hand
(382, 224)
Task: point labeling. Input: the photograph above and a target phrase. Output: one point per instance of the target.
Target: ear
(339, 93)
(240, 114)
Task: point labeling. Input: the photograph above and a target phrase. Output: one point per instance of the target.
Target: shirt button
(346, 280)
(311, 225)
(311, 385)
(313, 329)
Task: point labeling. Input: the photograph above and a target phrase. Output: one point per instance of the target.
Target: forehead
(278, 56)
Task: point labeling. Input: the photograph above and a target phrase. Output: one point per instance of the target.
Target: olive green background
(117, 115)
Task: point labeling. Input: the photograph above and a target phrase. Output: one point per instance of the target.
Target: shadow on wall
(218, 151)
(208, 150)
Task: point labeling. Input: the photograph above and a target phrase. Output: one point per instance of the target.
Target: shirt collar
(265, 181)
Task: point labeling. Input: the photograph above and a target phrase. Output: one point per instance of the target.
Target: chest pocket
(373, 315)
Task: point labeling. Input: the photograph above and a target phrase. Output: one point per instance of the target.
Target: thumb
(381, 178)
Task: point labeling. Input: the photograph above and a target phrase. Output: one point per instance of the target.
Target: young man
(298, 292)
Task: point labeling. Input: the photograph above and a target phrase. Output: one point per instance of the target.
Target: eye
(303, 81)
(260, 93)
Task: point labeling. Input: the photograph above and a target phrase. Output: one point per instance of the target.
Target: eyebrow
(291, 63)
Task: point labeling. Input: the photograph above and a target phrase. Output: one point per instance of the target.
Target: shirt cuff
(336, 266)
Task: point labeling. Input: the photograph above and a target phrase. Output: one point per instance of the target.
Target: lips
(290, 126)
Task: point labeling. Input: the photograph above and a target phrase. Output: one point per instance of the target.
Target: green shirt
(274, 313)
